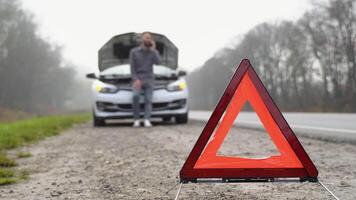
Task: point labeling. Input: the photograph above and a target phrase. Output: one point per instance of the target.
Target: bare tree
(299, 62)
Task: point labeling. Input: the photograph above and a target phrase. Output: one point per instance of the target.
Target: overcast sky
(198, 27)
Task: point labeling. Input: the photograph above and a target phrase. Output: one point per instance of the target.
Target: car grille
(110, 107)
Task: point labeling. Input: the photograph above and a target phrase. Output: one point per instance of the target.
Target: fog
(304, 51)
(199, 28)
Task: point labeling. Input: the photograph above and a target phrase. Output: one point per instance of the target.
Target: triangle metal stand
(249, 180)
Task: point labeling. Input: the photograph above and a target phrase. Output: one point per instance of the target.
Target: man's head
(147, 39)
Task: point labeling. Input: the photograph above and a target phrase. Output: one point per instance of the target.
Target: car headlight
(105, 89)
(177, 86)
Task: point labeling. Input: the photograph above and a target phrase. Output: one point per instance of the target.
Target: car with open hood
(112, 87)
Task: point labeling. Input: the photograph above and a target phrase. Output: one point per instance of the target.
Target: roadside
(25, 132)
(119, 162)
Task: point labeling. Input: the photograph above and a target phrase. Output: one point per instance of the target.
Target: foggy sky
(199, 28)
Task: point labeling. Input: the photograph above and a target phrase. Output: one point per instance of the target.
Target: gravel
(120, 162)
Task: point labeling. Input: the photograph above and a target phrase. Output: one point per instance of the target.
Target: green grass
(19, 133)
(23, 175)
(16, 134)
(23, 154)
(7, 176)
(6, 162)
(6, 173)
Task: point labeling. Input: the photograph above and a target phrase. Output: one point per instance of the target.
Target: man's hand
(137, 84)
(153, 47)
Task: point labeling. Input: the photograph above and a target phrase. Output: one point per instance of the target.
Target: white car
(112, 89)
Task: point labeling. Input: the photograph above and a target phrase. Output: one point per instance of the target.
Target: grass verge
(25, 132)
(7, 176)
(23, 154)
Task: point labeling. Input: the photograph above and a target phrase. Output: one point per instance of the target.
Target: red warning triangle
(203, 161)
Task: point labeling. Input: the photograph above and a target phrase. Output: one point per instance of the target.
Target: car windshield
(124, 70)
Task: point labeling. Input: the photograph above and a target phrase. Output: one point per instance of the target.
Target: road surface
(119, 162)
(328, 126)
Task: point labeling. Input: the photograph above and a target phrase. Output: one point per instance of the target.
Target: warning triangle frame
(190, 174)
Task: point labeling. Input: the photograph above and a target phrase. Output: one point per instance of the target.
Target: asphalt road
(338, 127)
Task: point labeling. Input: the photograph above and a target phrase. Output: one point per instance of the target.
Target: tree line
(306, 65)
(33, 74)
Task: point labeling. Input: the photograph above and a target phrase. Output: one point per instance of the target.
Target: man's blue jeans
(147, 90)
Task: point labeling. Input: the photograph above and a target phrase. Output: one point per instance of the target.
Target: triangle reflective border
(203, 161)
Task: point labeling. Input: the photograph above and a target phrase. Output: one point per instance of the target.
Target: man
(142, 59)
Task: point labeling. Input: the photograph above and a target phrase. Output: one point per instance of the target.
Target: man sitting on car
(142, 59)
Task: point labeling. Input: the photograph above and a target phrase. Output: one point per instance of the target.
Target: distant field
(16, 134)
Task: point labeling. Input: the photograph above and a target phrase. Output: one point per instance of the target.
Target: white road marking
(307, 127)
(200, 116)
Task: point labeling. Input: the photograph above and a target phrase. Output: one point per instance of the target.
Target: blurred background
(303, 50)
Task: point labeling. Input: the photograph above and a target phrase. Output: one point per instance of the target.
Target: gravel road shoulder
(119, 162)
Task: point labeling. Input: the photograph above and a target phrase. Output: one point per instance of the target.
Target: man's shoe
(147, 123)
(136, 123)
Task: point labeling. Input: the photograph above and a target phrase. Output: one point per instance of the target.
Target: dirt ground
(119, 162)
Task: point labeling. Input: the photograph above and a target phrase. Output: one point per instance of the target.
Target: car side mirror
(182, 73)
(91, 76)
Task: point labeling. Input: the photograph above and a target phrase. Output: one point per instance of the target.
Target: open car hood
(117, 50)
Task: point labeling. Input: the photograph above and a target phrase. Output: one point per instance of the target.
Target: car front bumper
(119, 105)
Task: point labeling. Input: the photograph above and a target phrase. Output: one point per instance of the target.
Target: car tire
(182, 119)
(97, 121)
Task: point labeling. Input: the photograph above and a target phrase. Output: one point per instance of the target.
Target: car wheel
(182, 119)
(97, 122)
